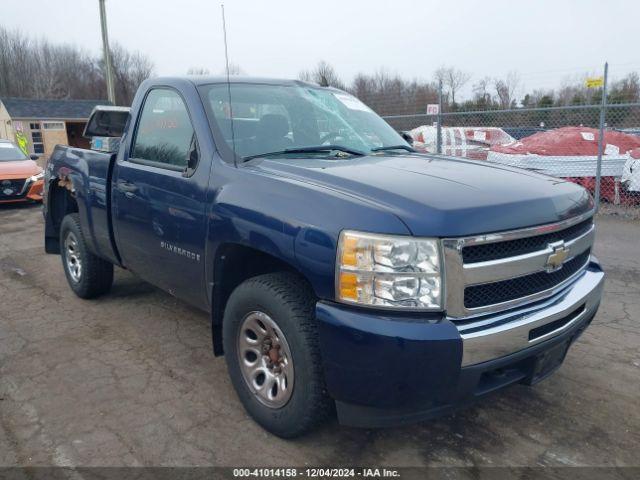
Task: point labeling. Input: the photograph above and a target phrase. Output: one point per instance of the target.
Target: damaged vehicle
(342, 271)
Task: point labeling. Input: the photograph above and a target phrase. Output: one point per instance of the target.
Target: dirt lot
(130, 380)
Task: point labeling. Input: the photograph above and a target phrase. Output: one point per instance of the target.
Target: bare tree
(40, 69)
(198, 71)
(324, 75)
(130, 70)
(453, 79)
(13, 70)
(506, 89)
(235, 69)
(481, 93)
(626, 89)
(390, 94)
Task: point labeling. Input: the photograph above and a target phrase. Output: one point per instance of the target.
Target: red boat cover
(571, 141)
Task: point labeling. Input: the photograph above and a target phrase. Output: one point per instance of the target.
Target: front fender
(297, 222)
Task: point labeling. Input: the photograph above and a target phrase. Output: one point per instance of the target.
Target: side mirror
(192, 163)
(33, 156)
(407, 137)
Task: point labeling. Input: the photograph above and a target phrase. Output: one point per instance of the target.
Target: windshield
(274, 118)
(10, 153)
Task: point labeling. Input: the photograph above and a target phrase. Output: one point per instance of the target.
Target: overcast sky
(545, 41)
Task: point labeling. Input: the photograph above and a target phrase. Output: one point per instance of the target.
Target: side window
(165, 135)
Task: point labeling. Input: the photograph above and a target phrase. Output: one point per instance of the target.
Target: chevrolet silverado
(342, 271)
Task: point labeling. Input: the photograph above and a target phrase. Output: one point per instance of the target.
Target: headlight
(389, 271)
(37, 176)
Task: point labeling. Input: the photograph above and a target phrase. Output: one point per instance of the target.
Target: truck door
(158, 190)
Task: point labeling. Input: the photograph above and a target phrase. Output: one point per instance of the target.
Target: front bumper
(386, 369)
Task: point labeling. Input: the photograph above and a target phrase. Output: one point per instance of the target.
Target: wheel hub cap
(265, 360)
(72, 257)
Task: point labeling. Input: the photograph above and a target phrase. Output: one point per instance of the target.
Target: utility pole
(439, 125)
(111, 93)
(603, 110)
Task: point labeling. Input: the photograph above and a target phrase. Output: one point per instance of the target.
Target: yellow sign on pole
(22, 142)
(594, 82)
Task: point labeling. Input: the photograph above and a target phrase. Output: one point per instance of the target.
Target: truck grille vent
(556, 324)
(511, 248)
(11, 189)
(497, 292)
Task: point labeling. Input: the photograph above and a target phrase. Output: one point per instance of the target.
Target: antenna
(226, 56)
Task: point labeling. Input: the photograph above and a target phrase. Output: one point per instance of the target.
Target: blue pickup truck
(342, 271)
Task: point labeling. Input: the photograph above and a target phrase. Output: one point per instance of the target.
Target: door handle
(127, 188)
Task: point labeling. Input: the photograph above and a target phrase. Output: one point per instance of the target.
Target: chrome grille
(513, 268)
(12, 189)
(503, 291)
(521, 246)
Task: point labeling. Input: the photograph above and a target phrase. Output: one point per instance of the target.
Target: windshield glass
(9, 152)
(273, 118)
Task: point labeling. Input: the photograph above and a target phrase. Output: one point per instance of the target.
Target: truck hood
(18, 169)
(442, 197)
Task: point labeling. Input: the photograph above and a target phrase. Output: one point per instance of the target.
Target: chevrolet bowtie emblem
(557, 257)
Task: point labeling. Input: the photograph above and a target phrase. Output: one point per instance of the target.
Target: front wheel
(87, 274)
(272, 354)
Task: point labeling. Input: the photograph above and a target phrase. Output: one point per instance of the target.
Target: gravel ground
(130, 380)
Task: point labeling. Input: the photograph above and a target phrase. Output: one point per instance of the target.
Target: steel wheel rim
(260, 343)
(72, 257)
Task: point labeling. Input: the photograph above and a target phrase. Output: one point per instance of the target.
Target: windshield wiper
(394, 147)
(312, 149)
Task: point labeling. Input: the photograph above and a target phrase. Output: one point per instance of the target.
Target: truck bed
(88, 174)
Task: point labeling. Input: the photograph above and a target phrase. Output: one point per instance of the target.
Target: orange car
(21, 179)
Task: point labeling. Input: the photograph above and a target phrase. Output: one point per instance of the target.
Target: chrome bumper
(499, 335)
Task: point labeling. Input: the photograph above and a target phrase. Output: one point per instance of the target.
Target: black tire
(290, 303)
(96, 275)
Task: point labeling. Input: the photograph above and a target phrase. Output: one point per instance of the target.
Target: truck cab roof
(199, 80)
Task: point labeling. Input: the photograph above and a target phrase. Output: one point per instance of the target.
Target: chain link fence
(560, 141)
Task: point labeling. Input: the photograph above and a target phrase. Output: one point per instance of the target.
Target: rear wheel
(87, 274)
(271, 349)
